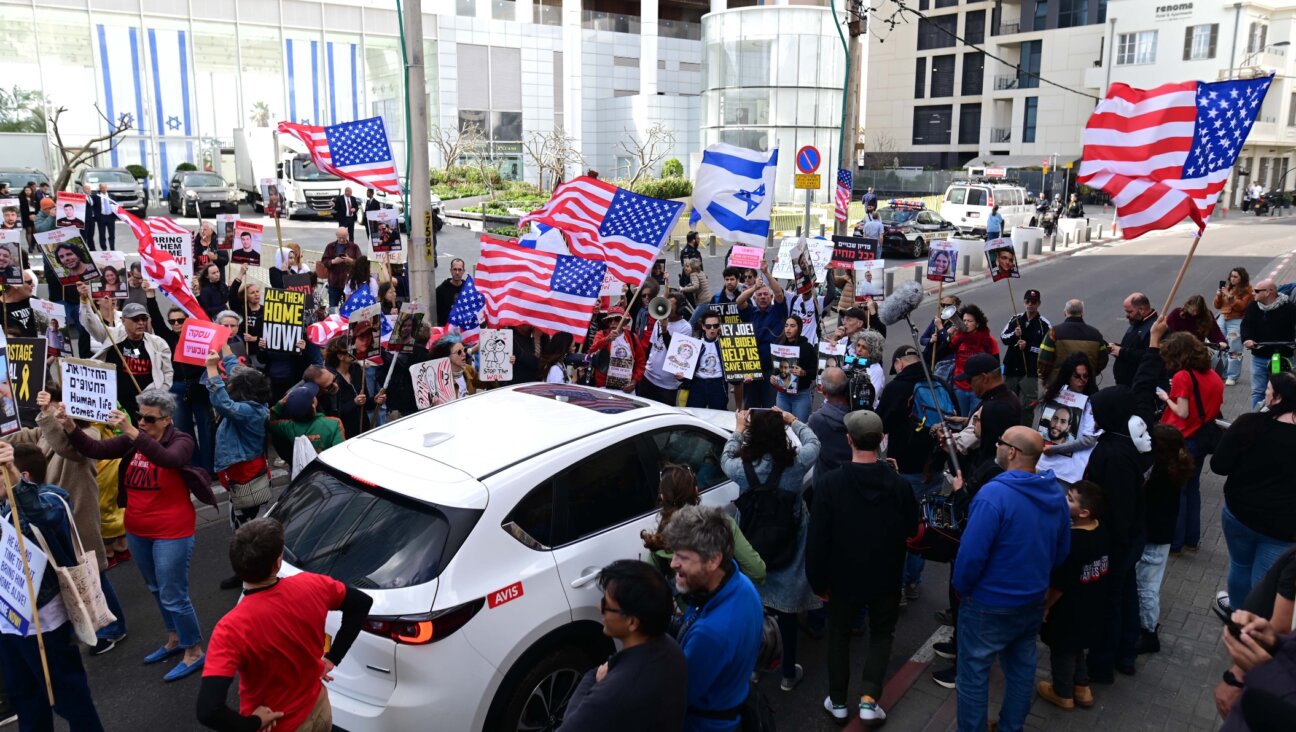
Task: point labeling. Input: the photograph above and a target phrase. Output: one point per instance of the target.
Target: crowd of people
(1064, 497)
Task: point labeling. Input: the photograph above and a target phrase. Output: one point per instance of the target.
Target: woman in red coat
(973, 338)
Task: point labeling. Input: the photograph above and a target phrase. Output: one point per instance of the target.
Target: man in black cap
(1000, 408)
(1021, 338)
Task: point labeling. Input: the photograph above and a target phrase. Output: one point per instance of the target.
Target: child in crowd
(1076, 598)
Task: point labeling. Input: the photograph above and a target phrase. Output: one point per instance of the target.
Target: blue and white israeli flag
(734, 193)
(544, 238)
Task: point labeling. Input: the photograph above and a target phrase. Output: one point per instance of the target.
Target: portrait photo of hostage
(225, 224)
(71, 209)
(384, 230)
(942, 264)
(1061, 418)
(1002, 259)
(9, 214)
(402, 337)
(10, 258)
(247, 245)
(67, 254)
(870, 280)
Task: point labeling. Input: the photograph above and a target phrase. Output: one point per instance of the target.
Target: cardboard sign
(433, 382)
(283, 319)
(495, 346)
(942, 263)
(67, 255)
(820, 252)
(225, 224)
(746, 257)
(89, 388)
(11, 241)
(739, 352)
(15, 604)
(199, 338)
(180, 247)
(790, 248)
(27, 374)
(682, 355)
(847, 250)
(384, 230)
(247, 244)
(1002, 259)
(112, 275)
(70, 210)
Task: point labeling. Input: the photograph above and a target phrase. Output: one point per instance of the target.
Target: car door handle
(591, 574)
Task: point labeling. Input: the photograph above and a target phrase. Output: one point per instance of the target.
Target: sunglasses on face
(139, 319)
(177, 321)
(150, 419)
(1080, 375)
(1008, 444)
(603, 608)
(710, 327)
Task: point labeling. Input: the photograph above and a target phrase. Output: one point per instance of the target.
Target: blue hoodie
(1018, 531)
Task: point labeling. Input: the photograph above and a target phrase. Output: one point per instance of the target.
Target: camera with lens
(860, 387)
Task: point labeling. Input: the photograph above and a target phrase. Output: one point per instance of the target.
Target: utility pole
(857, 25)
(421, 256)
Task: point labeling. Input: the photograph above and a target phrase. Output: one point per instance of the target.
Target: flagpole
(1183, 269)
(940, 294)
(108, 333)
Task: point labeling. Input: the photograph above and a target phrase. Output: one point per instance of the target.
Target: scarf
(1279, 301)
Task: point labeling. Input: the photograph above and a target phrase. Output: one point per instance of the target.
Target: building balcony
(679, 29)
(1007, 27)
(604, 21)
(1000, 134)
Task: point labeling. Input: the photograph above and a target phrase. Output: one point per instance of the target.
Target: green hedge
(672, 168)
(512, 231)
(665, 188)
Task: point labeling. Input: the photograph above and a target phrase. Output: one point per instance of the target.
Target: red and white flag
(1164, 154)
(357, 151)
(553, 292)
(159, 267)
(323, 331)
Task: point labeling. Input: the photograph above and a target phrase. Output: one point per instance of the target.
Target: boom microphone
(903, 300)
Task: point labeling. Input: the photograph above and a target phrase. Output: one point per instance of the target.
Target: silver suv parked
(122, 187)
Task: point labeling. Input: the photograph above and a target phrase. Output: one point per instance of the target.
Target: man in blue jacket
(1018, 531)
(721, 630)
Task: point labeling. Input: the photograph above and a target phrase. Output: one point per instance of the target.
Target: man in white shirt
(873, 228)
(808, 307)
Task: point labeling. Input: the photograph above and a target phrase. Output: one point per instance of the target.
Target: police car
(910, 227)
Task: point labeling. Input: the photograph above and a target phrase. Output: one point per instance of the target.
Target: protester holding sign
(708, 388)
(143, 359)
(208, 249)
(624, 365)
(20, 318)
(767, 316)
(42, 506)
(353, 393)
(247, 248)
(801, 361)
(193, 407)
(67, 256)
(661, 381)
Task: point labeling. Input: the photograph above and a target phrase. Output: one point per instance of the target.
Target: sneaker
(838, 711)
(945, 617)
(946, 649)
(911, 591)
(1148, 642)
(945, 677)
(9, 718)
(870, 711)
(1230, 382)
(1222, 601)
(103, 645)
(1083, 696)
(1045, 691)
(789, 684)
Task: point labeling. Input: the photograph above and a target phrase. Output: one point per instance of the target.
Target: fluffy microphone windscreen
(903, 300)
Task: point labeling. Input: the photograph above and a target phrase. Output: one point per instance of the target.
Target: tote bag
(79, 586)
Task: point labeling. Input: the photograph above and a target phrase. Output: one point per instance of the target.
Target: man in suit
(345, 209)
(371, 204)
(105, 219)
(91, 216)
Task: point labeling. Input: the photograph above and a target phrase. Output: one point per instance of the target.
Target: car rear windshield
(17, 180)
(896, 215)
(204, 180)
(109, 176)
(365, 536)
(304, 169)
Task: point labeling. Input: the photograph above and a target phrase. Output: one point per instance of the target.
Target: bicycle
(1277, 361)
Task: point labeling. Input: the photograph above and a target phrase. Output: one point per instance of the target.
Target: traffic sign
(807, 181)
(807, 159)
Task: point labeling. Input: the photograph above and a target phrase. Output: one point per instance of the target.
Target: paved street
(1171, 691)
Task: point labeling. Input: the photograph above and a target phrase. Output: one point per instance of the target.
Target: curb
(931, 287)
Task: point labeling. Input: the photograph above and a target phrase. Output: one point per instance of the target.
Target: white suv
(479, 527)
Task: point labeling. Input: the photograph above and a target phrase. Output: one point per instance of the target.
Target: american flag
(843, 199)
(158, 266)
(1165, 153)
(609, 224)
(321, 332)
(467, 310)
(357, 151)
(553, 292)
(361, 298)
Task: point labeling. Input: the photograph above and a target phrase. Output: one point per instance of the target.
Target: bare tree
(75, 157)
(552, 153)
(880, 151)
(478, 154)
(657, 143)
(452, 142)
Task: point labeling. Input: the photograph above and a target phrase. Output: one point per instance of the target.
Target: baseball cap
(902, 351)
(133, 310)
(614, 313)
(861, 423)
(982, 363)
(1032, 295)
(298, 404)
(857, 313)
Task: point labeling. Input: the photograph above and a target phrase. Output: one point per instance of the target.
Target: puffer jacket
(1072, 335)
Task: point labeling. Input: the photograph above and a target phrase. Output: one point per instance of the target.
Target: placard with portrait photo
(1002, 259)
(247, 244)
(225, 224)
(112, 275)
(70, 210)
(942, 262)
(11, 256)
(384, 230)
(1061, 417)
(67, 254)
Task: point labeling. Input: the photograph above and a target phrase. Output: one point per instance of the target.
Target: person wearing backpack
(769, 470)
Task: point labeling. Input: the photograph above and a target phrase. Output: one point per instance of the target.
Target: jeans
(165, 566)
(708, 394)
(1251, 554)
(758, 393)
(967, 400)
(1149, 572)
(1232, 330)
(798, 404)
(1008, 633)
(1259, 379)
(914, 562)
(1069, 671)
(117, 628)
(882, 616)
(1187, 530)
(787, 625)
(1117, 646)
(72, 313)
(335, 296)
(193, 416)
(25, 682)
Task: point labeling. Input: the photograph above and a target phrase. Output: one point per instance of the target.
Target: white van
(967, 205)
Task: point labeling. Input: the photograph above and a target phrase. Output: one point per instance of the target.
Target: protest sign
(433, 382)
(1061, 417)
(942, 263)
(70, 208)
(847, 250)
(89, 388)
(283, 319)
(225, 224)
(180, 247)
(739, 351)
(68, 255)
(820, 252)
(247, 247)
(112, 275)
(1002, 259)
(11, 256)
(496, 347)
(785, 358)
(870, 280)
(271, 198)
(611, 291)
(384, 230)
(15, 602)
(831, 354)
(199, 338)
(407, 326)
(27, 374)
(299, 283)
(790, 248)
(9, 211)
(682, 355)
(8, 405)
(746, 257)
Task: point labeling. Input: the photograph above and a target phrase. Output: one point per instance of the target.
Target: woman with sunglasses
(464, 375)
(678, 489)
(193, 405)
(353, 395)
(141, 358)
(1067, 459)
(708, 388)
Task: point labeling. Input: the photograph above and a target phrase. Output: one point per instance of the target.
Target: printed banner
(27, 375)
(344, 67)
(942, 263)
(9, 422)
(9, 211)
(11, 256)
(225, 225)
(496, 348)
(870, 280)
(180, 247)
(68, 255)
(746, 257)
(785, 359)
(89, 388)
(847, 250)
(299, 283)
(682, 355)
(283, 319)
(198, 339)
(1061, 417)
(247, 244)
(738, 351)
(15, 604)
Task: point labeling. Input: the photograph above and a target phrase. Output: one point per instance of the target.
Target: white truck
(307, 190)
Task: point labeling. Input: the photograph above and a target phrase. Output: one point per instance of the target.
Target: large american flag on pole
(158, 266)
(1165, 154)
(357, 151)
(609, 224)
(466, 312)
(842, 201)
(553, 292)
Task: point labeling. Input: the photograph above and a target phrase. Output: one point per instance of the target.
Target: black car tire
(171, 209)
(540, 696)
(918, 249)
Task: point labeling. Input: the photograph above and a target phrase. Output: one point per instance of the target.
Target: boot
(1148, 642)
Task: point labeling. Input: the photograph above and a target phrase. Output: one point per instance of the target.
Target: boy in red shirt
(271, 636)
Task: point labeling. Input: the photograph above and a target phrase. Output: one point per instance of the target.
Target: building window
(973, 73)
(942, 81)
(1258, 38)
(969, 124)
(1041, 15)
(504, 10)
(1072, 13)
(946, 3)
(466, 8)
(1136, 48)
(546, 12)
(937, 32)
(1102, 11)
(974, 27)
(1028, 119)
(1199, 42)
(920, 77)
(1028, 71)
(931, 125)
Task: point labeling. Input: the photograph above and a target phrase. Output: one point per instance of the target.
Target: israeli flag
(121, 64)
(544, 238)
(343, 67)
(734, 193)
(169, 59)
(302, 60)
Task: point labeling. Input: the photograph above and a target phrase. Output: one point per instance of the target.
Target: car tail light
(991, 200)
(420, 630)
